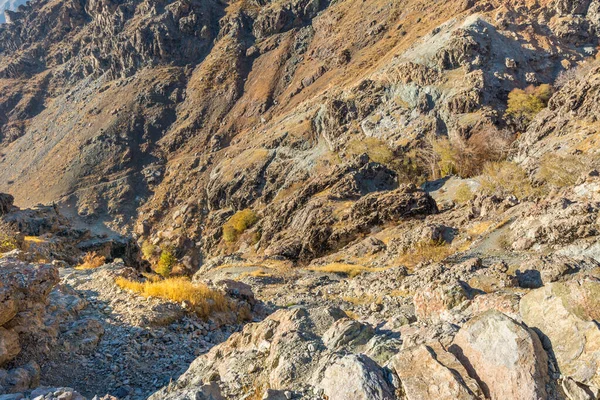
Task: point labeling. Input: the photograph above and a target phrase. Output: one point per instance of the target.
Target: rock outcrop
(566, 315)
(24, 291)
(505, 357)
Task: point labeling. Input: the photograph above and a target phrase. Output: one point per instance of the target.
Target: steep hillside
(170, 117)
(300, 199)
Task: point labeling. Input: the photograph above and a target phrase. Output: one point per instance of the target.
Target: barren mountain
(351, 199)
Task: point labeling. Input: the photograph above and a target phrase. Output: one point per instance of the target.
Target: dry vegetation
(561, 171)
(148, 250)
(506, 178)
(480, 228)
(463, 194)
(377, 149)
(91, 260)
(8, 238)
(464, 157)
(238, 224)
(350, 270)
(525, 104)
(426, 251)
(203, 300)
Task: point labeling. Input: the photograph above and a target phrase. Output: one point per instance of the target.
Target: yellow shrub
(350, 270)
(92, 260)
(166, 262)
(506, 178)
(523, 105)
(8, 238)
(377, 149)
(200, 297)
(7, 243)
(238, 224)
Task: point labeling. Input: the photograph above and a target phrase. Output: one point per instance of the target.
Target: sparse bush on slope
(166, 262)
(203, 300)
(505, 178)
(525, 104)
(92, 260)
(238, 224)
(465, 157)
(561, 171)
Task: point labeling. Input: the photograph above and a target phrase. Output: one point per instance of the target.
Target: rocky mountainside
(300, 199)
(167, 118)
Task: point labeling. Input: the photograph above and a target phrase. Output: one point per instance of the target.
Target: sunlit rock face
(8, 5)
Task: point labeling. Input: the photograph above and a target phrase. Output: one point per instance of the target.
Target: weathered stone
(9, 345)
(6, 203)
(347, 332)
(426, 374)
(566, 316)
(505, 357)
(434, 301)
(355, 377)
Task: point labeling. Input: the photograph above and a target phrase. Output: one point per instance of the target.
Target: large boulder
(566, 315)
(24, 291)
(505, 357)
(347, 332)
(392, 206)
(9, 345)
(24, 283)
(355, 377)
(427, 373)
(436, 300)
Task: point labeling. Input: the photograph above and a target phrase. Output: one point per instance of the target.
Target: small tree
(166, 262)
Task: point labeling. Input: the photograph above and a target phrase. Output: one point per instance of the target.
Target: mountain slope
(169, 117)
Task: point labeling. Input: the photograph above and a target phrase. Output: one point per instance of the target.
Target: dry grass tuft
(505, 178)
(480, 228)
(561, 171)
(200, 297)
(352, 315)
(362, 300)
(463, 194)
(426, 251)
(91, 260)
(34, 239)
(350, 270)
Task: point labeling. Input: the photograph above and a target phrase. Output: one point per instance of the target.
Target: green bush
(166, 262)
(238, 223)
(524, 104)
